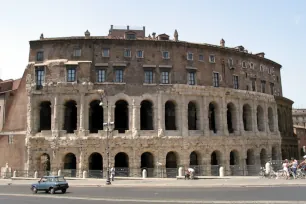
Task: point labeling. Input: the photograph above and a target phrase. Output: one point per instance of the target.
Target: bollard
(144, 173)
(221, 171)
(14, 174)
(59, 173)
(180, 171)
(35, 174)
(84, 174)
(268, 167)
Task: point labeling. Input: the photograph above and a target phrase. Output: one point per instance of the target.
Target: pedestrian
(286, 168)
(191, 172)
(294, 165)
(112, 173)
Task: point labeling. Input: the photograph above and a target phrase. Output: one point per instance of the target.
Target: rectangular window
(148, 77)
(272, 88)
(130, 36)
(165, 77)
(191, 78)
(105, 52)
(139, 54)
(253, 84)
(10, 139)
(40, 76)
(101, 75)
(119, 75)
(230, 62)
(77, 52)
(236, 82)
(40, 56)
(71, 73)
(212, 59)
(216, 79)
(166, 55)
(201, 57)
(189, 56)
(127, 53)
(263, 86)
(244, 64)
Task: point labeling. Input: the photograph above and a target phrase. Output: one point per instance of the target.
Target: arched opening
(279, 117)
(231, 121)
(263, 157)
(170, 115)
(121, 164)
(271, 119)
(250, 162)
(45, 116)
(260, 119)
(192, 116)
(147, 162)
(70, 165)
(215, 161)
(285, 154)
(234, 164)
(212, 117)
(95, 165)
(70, 122)
(95, 117)
(146, 115)
(247, 117)
(121, 116)
(193, 159)
(44, 164)
(171, 165)
(274, 153)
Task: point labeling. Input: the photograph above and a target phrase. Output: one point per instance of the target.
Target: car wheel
(34, 190)
(63, 190)
(52, 191)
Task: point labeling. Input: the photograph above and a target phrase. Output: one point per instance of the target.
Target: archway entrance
(170, 116)
(70, 120)
(95, 165)
(121, 116)
(95, 117)
(234, 164)
(147, 162)
(70, 165)
(263, 157)
(192, 116)
(45, 116)
(171, 165)
(146, 115)
(215, 163)
(44, 165)
(212, 117)
(122, 164)
(250, 162)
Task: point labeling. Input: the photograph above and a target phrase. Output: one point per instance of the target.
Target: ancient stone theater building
(161, 102)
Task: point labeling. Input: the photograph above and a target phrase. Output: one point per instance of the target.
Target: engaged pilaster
(160, 115)
(30, 115)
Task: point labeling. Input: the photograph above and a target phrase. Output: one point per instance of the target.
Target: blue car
(50, 184)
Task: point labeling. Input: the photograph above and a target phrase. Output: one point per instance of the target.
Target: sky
(276, 27)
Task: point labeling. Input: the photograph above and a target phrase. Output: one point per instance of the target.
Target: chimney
(128, 27)
(144, 30)
(42, 36)
(175, 35)
(222, 42)
(87, 34)
(261, 54)
(154, 35)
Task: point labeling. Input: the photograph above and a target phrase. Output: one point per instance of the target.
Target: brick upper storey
(127, 56)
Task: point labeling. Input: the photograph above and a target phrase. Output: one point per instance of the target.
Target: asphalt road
(94, 195)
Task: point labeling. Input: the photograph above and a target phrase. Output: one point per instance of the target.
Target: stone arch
(234, 158)
(95, 161)
(121, 97)
(213, 117)
(215, 162)
(45, 116)
(146, 115)
(147, 162)
(122, 164)
(271, 119)
(44, 164)
(263, 157)
(231, 117)
(96, 116)
(274, 153)
(193, 116)
(260, 119)
(70, 165)
(250, 160)
(247, 117)
(121, 116)
(170, 115)
(171, 164)
(194, 159)
(70, 116)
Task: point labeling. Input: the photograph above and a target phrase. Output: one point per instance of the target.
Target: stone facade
(299, 124)
(173, 103)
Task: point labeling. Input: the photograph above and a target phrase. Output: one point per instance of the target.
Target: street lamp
(108, 129)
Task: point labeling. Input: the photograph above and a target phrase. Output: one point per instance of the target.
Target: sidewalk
(168, 182)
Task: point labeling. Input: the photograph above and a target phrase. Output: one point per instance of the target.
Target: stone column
(266, 119)
(135, 120)
(205, 117)
(55, 119)
(202, 116)
(223, 117)
(30, 115)
(240, 124)
(275, 121)
(184, 117)
(254, 118)
(82, 113)
(80, 164)
(160, 115)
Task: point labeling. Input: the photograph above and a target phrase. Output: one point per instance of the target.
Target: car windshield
(60, 179)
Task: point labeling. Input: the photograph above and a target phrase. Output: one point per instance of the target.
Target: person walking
(112, 173)
(286, 168)
(294, 165)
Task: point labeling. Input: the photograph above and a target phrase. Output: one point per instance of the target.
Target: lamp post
(108, 129)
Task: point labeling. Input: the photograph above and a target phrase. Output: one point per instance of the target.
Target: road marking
(152, 201)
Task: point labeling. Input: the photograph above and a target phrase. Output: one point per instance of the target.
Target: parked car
(50, 184)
